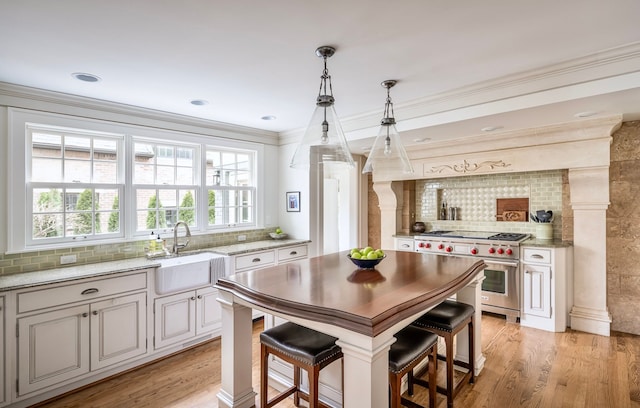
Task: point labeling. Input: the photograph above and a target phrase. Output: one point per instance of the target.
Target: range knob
(420, 244)
(492, 250)
(474, 251)
(440, 246)
(509, 251)
(427, 245)
(449, 249)
(500, 251)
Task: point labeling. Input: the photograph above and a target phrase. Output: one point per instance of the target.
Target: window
(73, 185)
(164, 179)
(77, 181)
(231, 190)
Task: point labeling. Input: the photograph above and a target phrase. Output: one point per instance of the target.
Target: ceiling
(461, 66)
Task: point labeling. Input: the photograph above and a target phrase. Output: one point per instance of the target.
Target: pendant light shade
(323, 141)
(387, 153)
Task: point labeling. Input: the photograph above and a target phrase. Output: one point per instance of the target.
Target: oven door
(501, 288)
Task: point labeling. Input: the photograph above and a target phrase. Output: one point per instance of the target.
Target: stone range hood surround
(582, 147)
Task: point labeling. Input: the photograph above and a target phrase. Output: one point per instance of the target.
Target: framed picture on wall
(293, 201)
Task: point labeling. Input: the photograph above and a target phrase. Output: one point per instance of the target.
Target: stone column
(590, 200)
(390, 196)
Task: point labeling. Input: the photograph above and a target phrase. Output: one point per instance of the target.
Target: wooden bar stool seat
(305, 349)
(446, 320)
(412, 346)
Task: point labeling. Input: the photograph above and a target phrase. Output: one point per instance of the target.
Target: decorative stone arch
(582, 148)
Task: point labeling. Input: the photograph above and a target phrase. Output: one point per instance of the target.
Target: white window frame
(18, 209)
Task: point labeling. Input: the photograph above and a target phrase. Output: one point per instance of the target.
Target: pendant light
(323, 141)
(387, 153)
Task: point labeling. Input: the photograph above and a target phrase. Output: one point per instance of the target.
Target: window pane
(46, 170)
(185, 156)
(187, 210)
(47, 226)
(243, 162)
(185, 175)
(165, 155)
(46, 145)
(76, 171)
(165, 175)
(47, 200)
(143, 173)
(112, 223)
(78, 224)
(105, 172)
(105, 149)
(150, 219)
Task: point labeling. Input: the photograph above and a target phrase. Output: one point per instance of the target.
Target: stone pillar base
(591, 320)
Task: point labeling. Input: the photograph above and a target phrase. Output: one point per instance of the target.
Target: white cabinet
(183, 316)
(62, 344)
(265, 258)
(3, 392)
(60, 338)
(546, 287)
(537, 290)
(404, 244)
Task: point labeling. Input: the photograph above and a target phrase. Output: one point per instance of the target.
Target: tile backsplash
(475, 199)
(49, 259)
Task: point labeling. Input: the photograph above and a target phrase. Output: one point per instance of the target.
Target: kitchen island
(363, 308)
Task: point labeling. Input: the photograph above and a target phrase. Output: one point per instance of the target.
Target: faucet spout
(176, 245)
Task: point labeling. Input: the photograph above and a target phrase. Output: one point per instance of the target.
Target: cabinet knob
(193, 298)
(95, 312)
(199, 296)
(85, 314)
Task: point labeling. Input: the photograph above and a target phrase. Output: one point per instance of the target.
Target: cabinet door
(2, 356)
(118, 329)
(52, 347)
(537, 290)
(175, 318)
(208, 312)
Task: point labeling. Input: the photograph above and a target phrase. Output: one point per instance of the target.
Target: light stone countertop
(70, 273)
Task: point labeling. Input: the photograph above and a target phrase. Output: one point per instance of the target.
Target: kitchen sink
(184, 272)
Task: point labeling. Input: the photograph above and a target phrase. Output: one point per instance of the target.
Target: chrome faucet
(176, 245)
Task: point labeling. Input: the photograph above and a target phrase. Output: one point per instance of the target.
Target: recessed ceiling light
(83, 76)
(585, 114)
(422, 139)
(199, 102)
(268, 117)
(490, 128)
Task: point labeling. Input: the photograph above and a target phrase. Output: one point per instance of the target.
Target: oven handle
(506, 263)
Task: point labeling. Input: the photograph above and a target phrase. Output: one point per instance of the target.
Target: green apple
(356, 255)
(372, 255)
(380, 253)
(278, 230)
(366, 250)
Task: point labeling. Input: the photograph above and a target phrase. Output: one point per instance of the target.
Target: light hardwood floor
(524, 368)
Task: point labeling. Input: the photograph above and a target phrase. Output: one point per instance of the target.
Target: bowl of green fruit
(366, 258)
(278, 234)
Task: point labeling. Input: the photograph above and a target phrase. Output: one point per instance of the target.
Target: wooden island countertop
(363, 308)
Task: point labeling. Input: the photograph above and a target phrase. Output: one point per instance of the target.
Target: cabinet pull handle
(95, 312)
(537, 256)
(89, 291)
(85, 314)
(255, 260)
(293, 253)
(405, 245)
(193, 298)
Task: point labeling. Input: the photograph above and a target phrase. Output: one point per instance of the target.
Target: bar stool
(305, 349)
(446, 320)
(411, 347)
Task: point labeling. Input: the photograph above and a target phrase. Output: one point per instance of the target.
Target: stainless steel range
(501, 253)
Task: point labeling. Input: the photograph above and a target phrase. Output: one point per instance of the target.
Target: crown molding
(19, 96)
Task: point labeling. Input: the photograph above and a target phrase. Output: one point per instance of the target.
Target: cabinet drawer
(537, 255)
(255, 260)
(294, 252)
(404, 245)
(50, 297)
